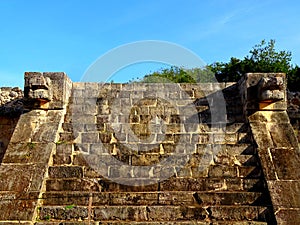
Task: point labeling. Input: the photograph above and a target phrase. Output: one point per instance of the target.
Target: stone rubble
(11, 101)
(294, 101)
(8, 94)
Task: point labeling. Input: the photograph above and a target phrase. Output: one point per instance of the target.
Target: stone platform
(93, 153)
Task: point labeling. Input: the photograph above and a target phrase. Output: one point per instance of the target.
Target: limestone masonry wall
(11, 104)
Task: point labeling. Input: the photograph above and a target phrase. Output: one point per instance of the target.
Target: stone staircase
(220, 183)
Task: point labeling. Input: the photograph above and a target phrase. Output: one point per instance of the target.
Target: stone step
(228, 149)
(155, 223)
(65, 137)
(228, 171)
(211, 184)
(227, 198)
(94, 145)
(168, 137)
(190, 170)
(203, 127)
(235, 122)
(240, 149)
(172, 184)
(151, 198)
(224, 158)
(95, 136)
(221, 154)
(154, 213)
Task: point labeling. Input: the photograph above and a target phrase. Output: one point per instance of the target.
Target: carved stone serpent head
(38, 89)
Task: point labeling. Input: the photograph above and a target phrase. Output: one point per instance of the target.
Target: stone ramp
(213, 187)
(30, 141)
(277, 144)
(25, 163)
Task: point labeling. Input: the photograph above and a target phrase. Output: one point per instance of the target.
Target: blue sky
(69, 35)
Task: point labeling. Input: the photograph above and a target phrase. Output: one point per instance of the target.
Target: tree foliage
(294, 79)
(263, 58)
(180, 75)
(166, 75)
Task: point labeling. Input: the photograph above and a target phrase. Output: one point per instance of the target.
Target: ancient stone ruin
(149, 154)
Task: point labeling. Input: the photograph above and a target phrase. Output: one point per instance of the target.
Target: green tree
(201, 75)
(166, 75)
(263, 58)
(179, 75)
(294, 79)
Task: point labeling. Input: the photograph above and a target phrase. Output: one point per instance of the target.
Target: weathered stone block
(37, 125)
(249, 171)
(136, 185)
(176, 198)
(199, 172)
(164, 213)
(45, 133)
(267, 165)
(88, 109)
(89, 138)
(131, 213)
(222, 171)
(52, 87)
(66, 198)
(120, 172)
(89, 172)
(30, 152)
(145, 159)
(282, 135)
(17, 207)
(261, 135)
(38, 88)
(133, 198)
(258, 87)
(65, 172)
(285, 193)
(61, 159)
(182, 184)
(64, 148)
(71, 185)
(286, 163)
(237, 213)
(271, 89)
(83, 119)
(184, 172)
(63, 212)
(252, 184)
(21, 178)
(288, 216)
(226, 198)
(246, 149)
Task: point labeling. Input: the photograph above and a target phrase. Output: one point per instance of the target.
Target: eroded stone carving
(271, 89)
(37, 89)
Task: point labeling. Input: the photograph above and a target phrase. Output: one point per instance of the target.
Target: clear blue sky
(69, 35)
